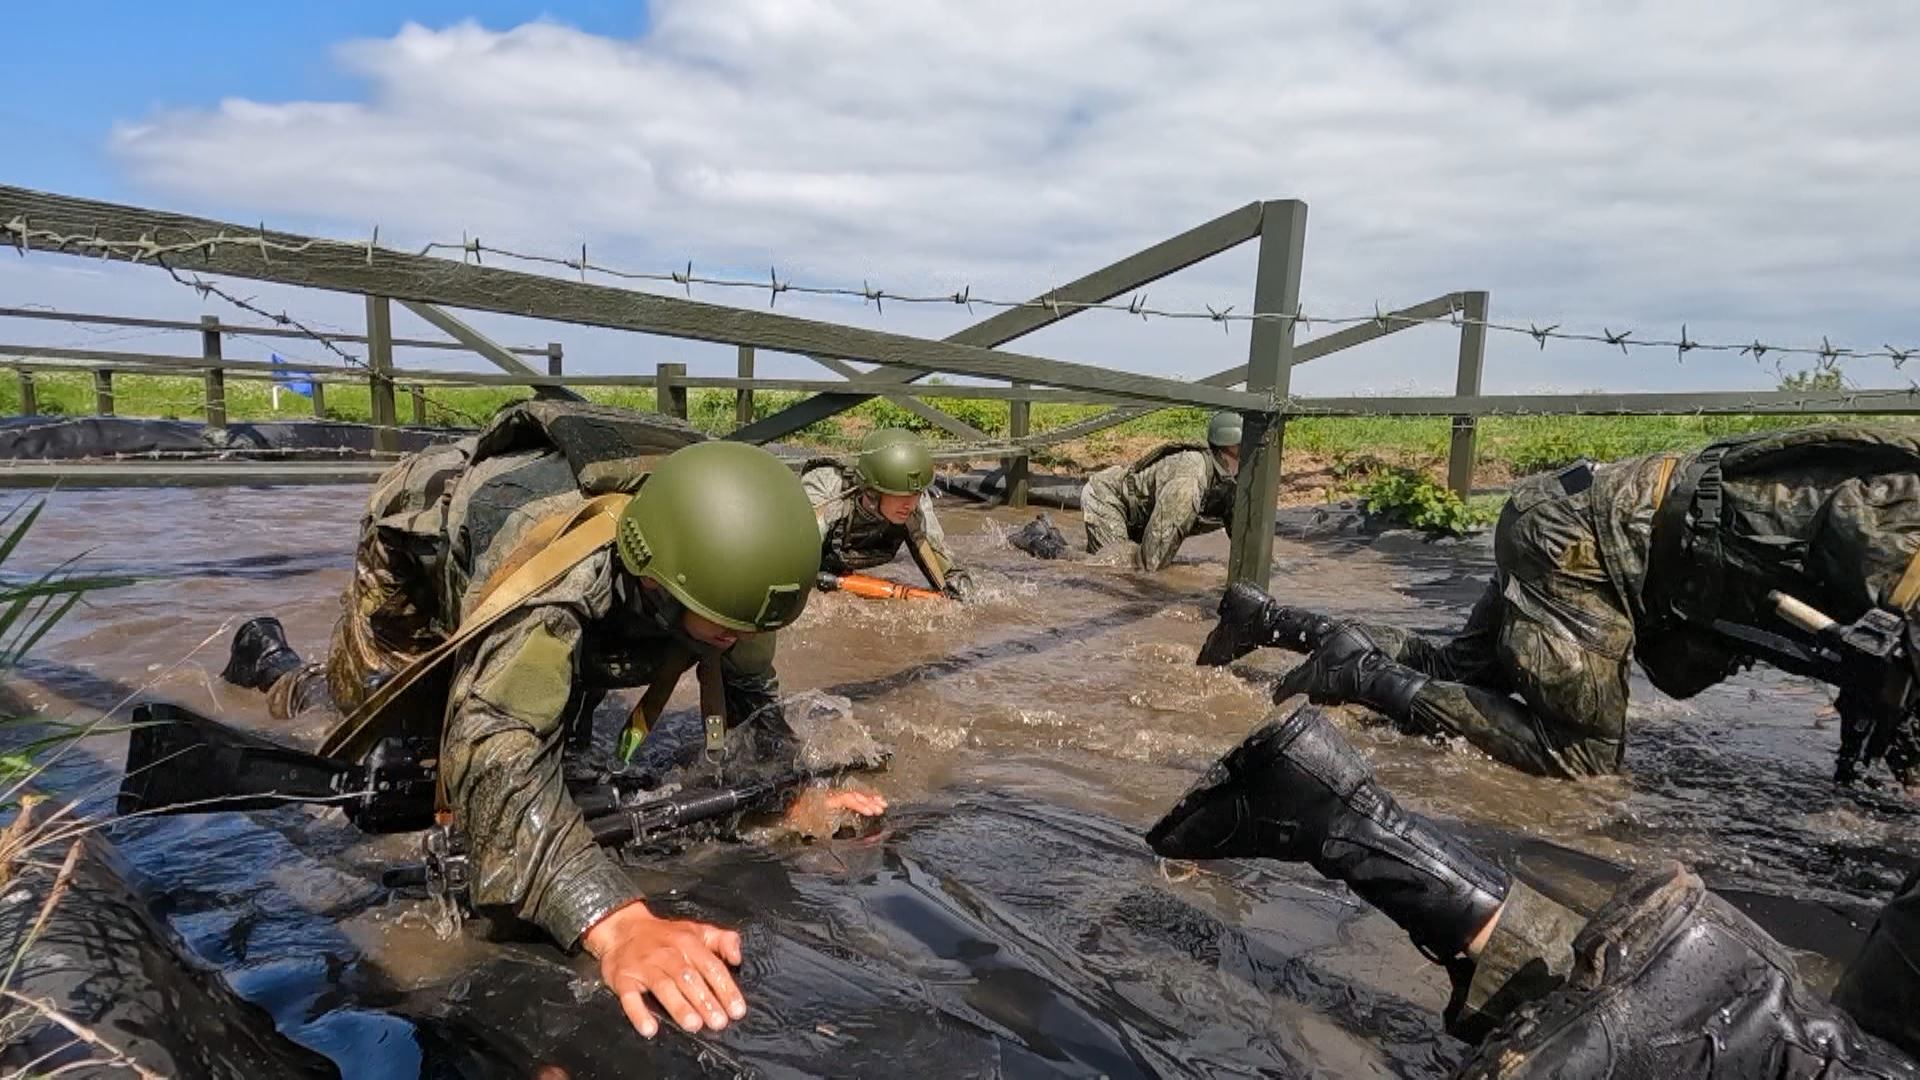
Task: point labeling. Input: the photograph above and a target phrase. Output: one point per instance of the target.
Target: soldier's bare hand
(864, 803)
(678, 961)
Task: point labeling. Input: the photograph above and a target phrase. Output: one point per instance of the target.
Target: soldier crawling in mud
(714, 551)
(1173, 492)
(1669, 559)
(868, 511)
(1664, 981)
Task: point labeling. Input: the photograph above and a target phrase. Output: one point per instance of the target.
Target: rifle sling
(550, 550)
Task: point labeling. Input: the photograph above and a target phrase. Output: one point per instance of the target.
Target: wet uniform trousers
(1550, 629)
(1157, 503)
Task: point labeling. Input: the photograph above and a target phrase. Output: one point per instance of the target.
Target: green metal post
(216, 378)
(380, 374)
(1019, 419)
(743, 397)
(1473, 354)
(669, 396)
(1276, 288)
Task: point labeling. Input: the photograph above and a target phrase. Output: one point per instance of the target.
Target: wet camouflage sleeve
(1179, 484)
(929, 542)
(827, 491)
(501, 754)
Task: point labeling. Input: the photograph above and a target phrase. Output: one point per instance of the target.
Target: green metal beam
(55, 223)
(1176, 253)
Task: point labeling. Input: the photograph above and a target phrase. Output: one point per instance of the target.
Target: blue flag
(303, 387)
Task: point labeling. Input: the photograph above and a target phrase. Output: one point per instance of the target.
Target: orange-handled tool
(873, 588)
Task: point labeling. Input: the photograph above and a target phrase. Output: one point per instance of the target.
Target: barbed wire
(209, 288)
(1827, 356)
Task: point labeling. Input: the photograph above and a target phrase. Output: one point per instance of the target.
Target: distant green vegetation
(1519, 445)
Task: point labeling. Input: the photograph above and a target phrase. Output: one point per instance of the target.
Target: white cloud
(1750, 169)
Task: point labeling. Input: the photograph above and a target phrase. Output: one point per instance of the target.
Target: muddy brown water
(1006, 920)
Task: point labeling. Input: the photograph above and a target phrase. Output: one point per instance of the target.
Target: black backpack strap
(1686, 565)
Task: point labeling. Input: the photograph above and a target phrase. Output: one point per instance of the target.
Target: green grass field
(1509, 446)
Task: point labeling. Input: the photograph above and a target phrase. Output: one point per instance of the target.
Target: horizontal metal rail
(38, 221)
(239, 330)
(1712, 402)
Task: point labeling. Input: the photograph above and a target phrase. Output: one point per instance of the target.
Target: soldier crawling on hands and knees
(713, 548)
(1666, 980)
(1693, 564)
(1175, 491)
(869, 511)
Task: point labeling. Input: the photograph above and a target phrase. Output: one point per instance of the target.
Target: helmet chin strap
(666, 612)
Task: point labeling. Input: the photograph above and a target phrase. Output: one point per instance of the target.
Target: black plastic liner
(78, 438)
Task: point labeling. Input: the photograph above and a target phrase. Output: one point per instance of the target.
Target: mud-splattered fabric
(1157, 502)
(1830, 515)
(440, 528)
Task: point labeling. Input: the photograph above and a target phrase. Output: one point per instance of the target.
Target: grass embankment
(1324, 456)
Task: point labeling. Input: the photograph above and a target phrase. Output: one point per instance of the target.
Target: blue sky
(94, 62)
(1747, 170)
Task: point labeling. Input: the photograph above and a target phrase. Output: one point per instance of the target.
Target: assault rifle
(635, 821)
(179, 762)
(1872, 660)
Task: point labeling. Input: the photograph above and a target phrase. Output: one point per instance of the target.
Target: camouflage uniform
(1830, 515)
(440, 526)
(854, 535)
(1176, 491)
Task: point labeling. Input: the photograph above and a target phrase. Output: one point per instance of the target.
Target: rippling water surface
(1006, 921)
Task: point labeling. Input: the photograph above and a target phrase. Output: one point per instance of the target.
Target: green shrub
(1412, 498)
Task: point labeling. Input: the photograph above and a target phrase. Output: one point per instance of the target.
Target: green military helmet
(1224, 429)
(728, 530)
(894, 461)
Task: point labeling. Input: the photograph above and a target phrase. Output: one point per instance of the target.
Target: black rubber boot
(1671, 983)
(1250, 619)
(260, 654)
(1295, 790)
(1348, 666)
(1039, 539)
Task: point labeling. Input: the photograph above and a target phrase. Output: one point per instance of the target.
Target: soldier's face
(707, 632)
(898, 508)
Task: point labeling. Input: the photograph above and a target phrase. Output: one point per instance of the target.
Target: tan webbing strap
(713, 705)
(1664, 481)
(654, 702)
(535, 567)
(1908, 590)
(666, 677)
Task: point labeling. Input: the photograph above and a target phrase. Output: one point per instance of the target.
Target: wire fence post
(386, 416)
(103, 391)
(1276, 287)
(216, 378)
(1473, 354)
(669, 396)
(29, 394)
(319, 398)
(1019, 418)
(556, 367)
(743, 397)
(419, 395)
